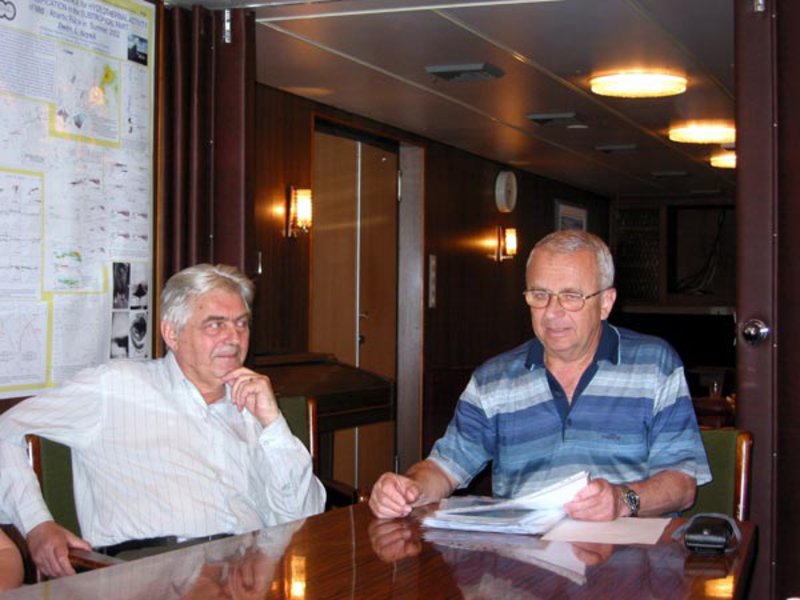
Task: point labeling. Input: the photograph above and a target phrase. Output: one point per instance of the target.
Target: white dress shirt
(150, 458)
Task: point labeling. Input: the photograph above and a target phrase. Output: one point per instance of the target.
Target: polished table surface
(347, 553)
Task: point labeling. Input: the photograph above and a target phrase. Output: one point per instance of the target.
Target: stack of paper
(530, 514)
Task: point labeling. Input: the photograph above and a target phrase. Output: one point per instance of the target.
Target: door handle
(755, 331)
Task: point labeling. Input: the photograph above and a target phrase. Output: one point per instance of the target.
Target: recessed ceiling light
(703, 132)
(724, 160)
(638, 84)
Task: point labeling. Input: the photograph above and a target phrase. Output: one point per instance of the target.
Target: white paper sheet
(624, 530)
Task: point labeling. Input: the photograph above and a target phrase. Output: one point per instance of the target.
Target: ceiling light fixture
(703, 132)
(638, 84)
(724, 160)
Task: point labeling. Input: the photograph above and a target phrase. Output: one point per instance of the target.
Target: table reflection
(347, 553)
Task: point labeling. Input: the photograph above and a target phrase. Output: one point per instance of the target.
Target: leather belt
(166, 541)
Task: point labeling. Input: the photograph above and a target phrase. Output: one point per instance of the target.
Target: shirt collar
(607, 349)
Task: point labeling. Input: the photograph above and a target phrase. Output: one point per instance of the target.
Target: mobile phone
(708, 535)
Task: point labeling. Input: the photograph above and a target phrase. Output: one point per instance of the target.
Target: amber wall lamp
(506, 243)
(298, 211)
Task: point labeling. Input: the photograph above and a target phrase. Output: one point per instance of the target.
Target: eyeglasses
(571, 301)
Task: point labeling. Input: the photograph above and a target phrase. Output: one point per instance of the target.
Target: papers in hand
(530, 514)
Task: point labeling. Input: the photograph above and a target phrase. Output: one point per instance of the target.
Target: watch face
(632, 500)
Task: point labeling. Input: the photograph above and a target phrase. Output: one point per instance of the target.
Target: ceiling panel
(374, 65)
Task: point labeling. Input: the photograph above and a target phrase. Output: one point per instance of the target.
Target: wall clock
(505, 191)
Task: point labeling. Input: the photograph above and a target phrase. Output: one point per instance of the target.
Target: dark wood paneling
(756, 271)
(788, 474)
(479, 308)
(282, 158)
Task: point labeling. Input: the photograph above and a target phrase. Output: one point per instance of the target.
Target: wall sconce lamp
(506, 243)
(298, 213)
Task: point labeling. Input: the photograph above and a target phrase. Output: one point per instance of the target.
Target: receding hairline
(570, 242)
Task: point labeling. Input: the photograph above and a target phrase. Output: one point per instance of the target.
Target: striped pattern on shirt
(631, 418)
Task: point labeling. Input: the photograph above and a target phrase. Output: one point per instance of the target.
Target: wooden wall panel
(788, 404)
(479, 310)
(283, 127)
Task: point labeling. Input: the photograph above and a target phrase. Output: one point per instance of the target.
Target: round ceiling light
(703, 132)
(638, 84)
(724, 160)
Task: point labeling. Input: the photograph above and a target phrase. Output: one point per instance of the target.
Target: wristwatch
(631, 499)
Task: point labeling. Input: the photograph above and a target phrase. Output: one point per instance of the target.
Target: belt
(166, 541)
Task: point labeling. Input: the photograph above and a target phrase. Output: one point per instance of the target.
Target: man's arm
(291, 489)
(70, 415)
(395, 495)
(667, 491)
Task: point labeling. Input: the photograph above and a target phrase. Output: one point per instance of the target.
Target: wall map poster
(76, 186)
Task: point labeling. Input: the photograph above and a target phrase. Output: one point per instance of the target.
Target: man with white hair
(188, 446)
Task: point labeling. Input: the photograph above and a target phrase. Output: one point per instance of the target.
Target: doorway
(353, 299)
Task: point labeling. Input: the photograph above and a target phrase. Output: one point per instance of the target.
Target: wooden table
(347, 553)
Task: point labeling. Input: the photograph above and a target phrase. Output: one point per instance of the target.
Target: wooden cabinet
(346, 397)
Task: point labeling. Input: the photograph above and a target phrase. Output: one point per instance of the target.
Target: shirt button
(569, 422)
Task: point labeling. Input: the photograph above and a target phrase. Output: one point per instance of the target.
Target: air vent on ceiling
(617, 148)
(668, 174)
(465, 72)
(709, 192)
(562, 119)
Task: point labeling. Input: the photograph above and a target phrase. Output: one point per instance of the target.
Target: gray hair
(183, 288)
(570, 241)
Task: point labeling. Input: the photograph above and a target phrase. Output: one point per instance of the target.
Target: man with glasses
(581, 395)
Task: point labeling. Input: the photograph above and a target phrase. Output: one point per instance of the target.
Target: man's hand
(253, 391)
(249, 578)
(598, 501)
(393, 540)
(49, 544)
(393, 496)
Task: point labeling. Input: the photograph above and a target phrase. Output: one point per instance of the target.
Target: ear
(607, 302)
(170, 335)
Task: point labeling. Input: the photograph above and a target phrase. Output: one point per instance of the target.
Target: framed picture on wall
(569, 216)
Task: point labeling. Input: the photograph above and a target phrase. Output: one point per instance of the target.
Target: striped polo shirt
(631, 417)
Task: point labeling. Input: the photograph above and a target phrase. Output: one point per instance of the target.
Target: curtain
(205, 90)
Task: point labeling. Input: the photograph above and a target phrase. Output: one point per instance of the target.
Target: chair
(300, 413)
(52, 463)
(729, 453)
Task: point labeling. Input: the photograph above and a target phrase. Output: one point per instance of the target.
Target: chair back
(52, 463)
(729, 452)
(301, 416)
(300, 413)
